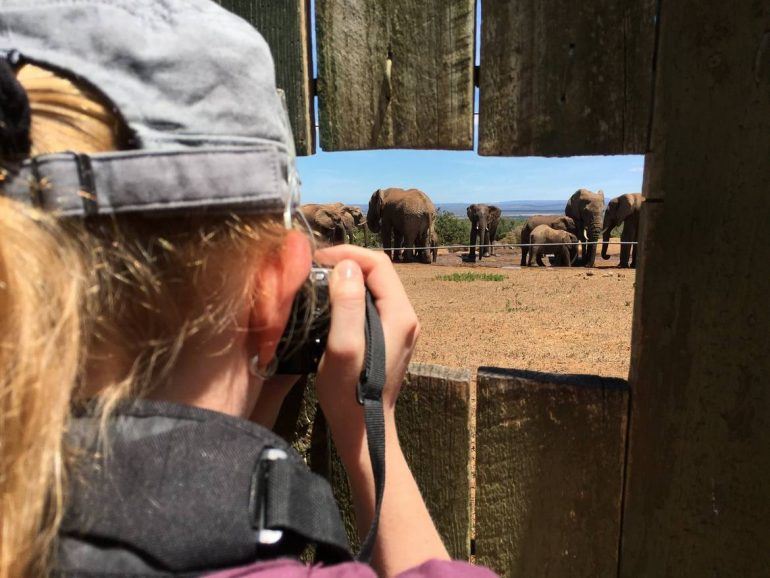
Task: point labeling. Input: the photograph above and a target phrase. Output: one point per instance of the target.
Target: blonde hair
(133, 292)
(39, 335)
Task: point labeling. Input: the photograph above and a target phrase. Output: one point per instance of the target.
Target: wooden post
(565, 78)
(395, 74)
(433, 415)
(549, 462)
(285, 25)
(697, 498)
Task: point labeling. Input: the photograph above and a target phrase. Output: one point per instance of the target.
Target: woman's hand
(339, 371)
(406, 536)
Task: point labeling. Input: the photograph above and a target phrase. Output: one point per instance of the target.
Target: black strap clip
(265, 536)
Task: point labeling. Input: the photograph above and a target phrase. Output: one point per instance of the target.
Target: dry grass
(544, 319)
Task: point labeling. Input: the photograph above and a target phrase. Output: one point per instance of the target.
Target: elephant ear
(569, 210)
(569, 225)
(374, 214)
(625, 207)
(471, 210)
(326, 219)
(495, 213)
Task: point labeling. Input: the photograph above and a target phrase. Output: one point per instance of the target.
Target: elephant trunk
(483, 234)
(605, 241)
(594, 232)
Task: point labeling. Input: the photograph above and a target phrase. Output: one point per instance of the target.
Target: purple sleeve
(294, 569)
(447, 569)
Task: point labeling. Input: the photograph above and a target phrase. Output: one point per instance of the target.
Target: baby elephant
(545, 234)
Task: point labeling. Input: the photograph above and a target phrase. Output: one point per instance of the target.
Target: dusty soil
(562, 320)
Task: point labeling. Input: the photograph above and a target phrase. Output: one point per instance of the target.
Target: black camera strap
(369, 394)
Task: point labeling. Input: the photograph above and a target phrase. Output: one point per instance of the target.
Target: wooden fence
(556, 77)
(548, 473)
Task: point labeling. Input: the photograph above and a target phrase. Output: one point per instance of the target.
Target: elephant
(484, 221)
(353, 218)
(326, 222)
(623, 209)
(586, 208)
(558, 222)
(404, 218)
(549, 236)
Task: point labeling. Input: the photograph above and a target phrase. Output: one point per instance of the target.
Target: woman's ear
(278, 281)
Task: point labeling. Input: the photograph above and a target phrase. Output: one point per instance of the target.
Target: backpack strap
(292, 505)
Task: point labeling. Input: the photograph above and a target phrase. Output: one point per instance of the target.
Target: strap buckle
(265, 536)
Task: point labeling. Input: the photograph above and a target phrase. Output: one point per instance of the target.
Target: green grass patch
(468, 277)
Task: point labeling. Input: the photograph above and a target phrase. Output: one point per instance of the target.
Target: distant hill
(512, 208)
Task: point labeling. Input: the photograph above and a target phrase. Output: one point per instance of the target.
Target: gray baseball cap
(195, 86)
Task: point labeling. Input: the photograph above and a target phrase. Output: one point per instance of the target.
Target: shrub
(470, 276)
(509, 229)
(452, 230)
(374, 238)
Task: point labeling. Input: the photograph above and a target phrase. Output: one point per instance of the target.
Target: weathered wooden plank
(565, 78)
(285, 25)
(549, 463)
(395, 73)
(433, 415)
(639, 49)
(698, 479)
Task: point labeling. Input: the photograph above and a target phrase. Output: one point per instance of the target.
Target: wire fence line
(508, 245)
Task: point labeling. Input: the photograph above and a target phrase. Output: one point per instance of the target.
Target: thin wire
(505, 245)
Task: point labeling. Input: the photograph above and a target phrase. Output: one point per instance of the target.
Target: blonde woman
(147, 273)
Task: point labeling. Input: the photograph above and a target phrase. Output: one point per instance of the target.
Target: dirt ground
(561, 320)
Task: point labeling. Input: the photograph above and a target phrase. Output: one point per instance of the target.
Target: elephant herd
(570, 238)
(405, 220)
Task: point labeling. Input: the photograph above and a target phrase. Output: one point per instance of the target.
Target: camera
(304, 340)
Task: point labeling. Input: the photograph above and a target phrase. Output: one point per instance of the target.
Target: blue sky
(457, 177)
(460, 176)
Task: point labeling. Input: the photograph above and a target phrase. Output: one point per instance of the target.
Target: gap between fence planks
(549, 461)
(285, 25)
(561, 78)
(395, 74)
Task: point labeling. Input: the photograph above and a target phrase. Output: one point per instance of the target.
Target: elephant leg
(408, 254)
(387, 240)
(398, 243)
(524, 249)
(492, 239)
(629, 234)
(425, 251)
(474, 234)
(565, 258)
